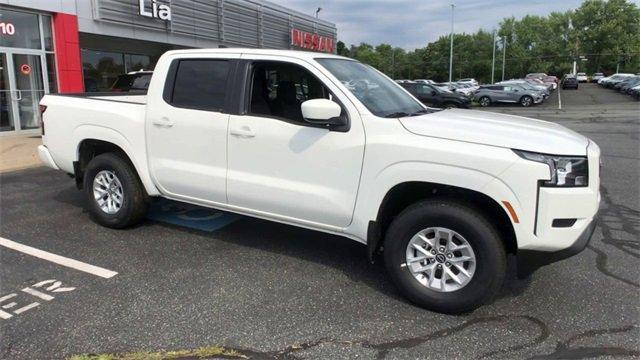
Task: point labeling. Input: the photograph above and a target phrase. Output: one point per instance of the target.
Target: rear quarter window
(200, 84)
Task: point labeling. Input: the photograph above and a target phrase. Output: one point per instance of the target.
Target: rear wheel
(114, 193)
(526, 101)
(445, 256)
(484, 101)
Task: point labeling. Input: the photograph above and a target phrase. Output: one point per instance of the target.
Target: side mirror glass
(322, 112)
(433, 93)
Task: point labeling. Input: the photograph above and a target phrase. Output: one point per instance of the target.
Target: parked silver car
(507, 93)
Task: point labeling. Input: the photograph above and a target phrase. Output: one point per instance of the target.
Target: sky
(412, 24)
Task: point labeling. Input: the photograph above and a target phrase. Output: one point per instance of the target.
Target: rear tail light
(42, 109)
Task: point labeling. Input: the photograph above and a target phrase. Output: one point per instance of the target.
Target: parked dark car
(569, 81)
(627, 84)
(434, 96)
(133, 81)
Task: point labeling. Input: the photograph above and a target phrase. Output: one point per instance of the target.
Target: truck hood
(509, 131)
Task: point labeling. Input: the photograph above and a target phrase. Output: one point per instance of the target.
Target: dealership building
(50, 46)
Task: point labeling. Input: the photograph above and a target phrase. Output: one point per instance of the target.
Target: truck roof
(306, 55)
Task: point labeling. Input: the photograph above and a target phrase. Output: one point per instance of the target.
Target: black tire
(526, 101)
(468, 222)
(135, 200)
(484, 101)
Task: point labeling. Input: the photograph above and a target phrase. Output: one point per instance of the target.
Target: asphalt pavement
(190, 277)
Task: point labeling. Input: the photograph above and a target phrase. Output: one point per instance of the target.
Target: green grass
(201, 353)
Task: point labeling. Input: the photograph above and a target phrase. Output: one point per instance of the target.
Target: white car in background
(596, 77)
(582, 77)
(424, 81)
(471, 81)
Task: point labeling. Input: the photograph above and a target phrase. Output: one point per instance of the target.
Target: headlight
(565, 171)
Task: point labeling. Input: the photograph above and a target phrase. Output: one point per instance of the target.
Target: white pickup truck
(330, 144)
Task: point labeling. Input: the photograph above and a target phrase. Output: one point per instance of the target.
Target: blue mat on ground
(191, 216)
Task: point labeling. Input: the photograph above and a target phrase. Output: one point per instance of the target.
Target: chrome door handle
(19, 95)
(243, 132)
(162, 122)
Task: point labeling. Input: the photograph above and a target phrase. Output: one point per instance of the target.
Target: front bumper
(46, 158)
(530, 260)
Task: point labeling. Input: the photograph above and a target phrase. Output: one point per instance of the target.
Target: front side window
(377, 93)
(200, 84)
(279, 89)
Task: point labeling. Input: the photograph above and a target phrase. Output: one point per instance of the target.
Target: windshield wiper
(397, 114)
(423, 111)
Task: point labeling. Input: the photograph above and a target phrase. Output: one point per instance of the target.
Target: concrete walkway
(19, 152)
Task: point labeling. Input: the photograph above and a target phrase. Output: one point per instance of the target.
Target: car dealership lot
(193, 278)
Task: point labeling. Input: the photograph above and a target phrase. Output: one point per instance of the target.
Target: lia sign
(309, 41)
(156, 11)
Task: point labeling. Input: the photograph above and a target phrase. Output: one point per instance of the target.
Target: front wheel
(445, 256)
(114, 193)
(484, 101)
(526, 101)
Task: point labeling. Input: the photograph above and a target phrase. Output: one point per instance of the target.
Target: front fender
(442, 174)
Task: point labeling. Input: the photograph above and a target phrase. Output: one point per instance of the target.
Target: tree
(603, 33)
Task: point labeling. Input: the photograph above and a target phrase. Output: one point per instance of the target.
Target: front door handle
(243, 132)
(162, 122)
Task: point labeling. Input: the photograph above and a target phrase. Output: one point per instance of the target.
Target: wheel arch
(94, 140)
(403, 195)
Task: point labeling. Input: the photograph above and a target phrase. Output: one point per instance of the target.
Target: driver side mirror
(322, 112)
(433, 93)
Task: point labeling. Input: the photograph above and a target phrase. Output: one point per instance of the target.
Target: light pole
(317, 11)
(504, 54)
(451, 45)
(493, 60)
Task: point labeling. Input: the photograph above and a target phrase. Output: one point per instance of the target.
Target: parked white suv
(444, 195)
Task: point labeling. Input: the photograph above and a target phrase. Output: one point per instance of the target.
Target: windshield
(380, 95)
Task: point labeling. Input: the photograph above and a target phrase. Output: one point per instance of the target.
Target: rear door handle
(243, 132)
(162, 122)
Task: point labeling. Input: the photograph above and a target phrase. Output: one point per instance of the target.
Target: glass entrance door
(29, 88)
(6, 103)
(22, 85)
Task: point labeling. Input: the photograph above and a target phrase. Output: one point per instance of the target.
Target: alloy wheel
(108, 192)
(441, 259)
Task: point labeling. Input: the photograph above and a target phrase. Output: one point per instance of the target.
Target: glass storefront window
(19, 30)
(101, 69)
(46, 31)
(137, 62)
(51, 73)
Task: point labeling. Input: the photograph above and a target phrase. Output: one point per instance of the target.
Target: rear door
(282, 166)
(186, 127)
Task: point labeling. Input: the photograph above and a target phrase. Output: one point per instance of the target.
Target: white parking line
(60, 260)
(559, 99)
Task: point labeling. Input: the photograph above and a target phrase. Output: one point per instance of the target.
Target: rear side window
(200, 84)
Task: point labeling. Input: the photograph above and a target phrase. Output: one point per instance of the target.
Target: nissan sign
(309, 41)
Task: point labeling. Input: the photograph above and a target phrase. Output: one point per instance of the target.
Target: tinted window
(200, 84)
(424, 89)
(137, 82)
(279, 89)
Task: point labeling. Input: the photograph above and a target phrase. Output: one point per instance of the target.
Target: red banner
(309, 41)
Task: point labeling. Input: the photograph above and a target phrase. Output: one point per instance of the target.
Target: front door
(282, 166)
(22, 85)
